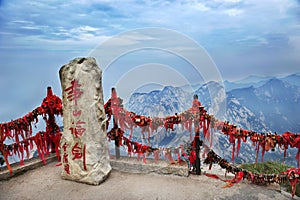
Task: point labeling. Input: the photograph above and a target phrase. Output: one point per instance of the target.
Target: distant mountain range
(257, 81)
(261, 104)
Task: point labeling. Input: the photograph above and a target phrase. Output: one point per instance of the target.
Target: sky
(237, 38)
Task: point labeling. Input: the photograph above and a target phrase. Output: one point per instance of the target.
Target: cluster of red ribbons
(143, 150)
(292, 175)
(196, 115)
(263, 141)
(20, 131)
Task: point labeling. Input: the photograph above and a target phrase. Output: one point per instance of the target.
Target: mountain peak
(275, 82)
(253, 79)
(293, 79)
(166, 88)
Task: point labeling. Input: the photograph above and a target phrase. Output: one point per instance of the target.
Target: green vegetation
(271, 168)
(266, 167)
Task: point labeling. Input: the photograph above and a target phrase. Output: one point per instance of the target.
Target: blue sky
(38, 37)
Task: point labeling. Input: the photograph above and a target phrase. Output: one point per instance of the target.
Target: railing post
(50, 125)
(117, 148)
(198, 161)
(117, 141)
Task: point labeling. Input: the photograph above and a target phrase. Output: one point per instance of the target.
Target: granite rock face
(84, 148)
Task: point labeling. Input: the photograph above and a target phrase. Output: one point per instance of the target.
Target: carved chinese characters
(84, 149)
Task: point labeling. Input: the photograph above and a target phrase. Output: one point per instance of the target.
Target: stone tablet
(84, 148)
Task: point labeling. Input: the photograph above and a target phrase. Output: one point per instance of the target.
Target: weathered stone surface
(84, 148)
(127, 164)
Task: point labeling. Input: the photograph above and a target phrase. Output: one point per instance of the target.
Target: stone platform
(131, 165)
(46, 183)
(124, 164)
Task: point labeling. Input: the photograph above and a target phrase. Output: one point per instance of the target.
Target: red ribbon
(238, 177)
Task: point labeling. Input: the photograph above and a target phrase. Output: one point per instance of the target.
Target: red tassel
(144, 158)
(22, 154)
(238, 147)
(263, 152)
(212, 176)
(169, 156)
(211, 139)
(257, 151)
(292, 179)
(131, 131)
(26, 147)
(5, 155)
(156, 156)
(31, 143)
(57, 138)
(298, 157)
(16, 149)
(238, 177)
(139, 156)
(40, 149)
(233, 150)
(148, 130)
(293, 183)
(203, 126)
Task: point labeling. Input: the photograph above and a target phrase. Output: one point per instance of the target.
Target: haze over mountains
(261, 104)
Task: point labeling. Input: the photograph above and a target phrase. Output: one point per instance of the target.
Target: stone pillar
(84, 148)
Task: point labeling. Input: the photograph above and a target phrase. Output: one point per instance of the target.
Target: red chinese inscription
(76, 113)
(78, 130)
(65, 145)
(67, 168)
(74, 91)
(65, 159)
(77, 152)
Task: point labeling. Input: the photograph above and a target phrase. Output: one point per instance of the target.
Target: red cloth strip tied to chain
(126, 119)
(20, 131)
(171, 120)
(264, 141)
(293, 175)
(238, 177)
(144, 123)
(5, 153)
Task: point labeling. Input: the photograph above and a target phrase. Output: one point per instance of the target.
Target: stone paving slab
(130, 179)
(46, 183)
(29, 164)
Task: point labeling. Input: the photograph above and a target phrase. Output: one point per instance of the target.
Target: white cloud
(233, 12)
(91, 21)
(92, 1)
(29, 27)
(253, 40)
(121, 40)
(200, 6)
(84, 29)
(228, 1)
(21, 22)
